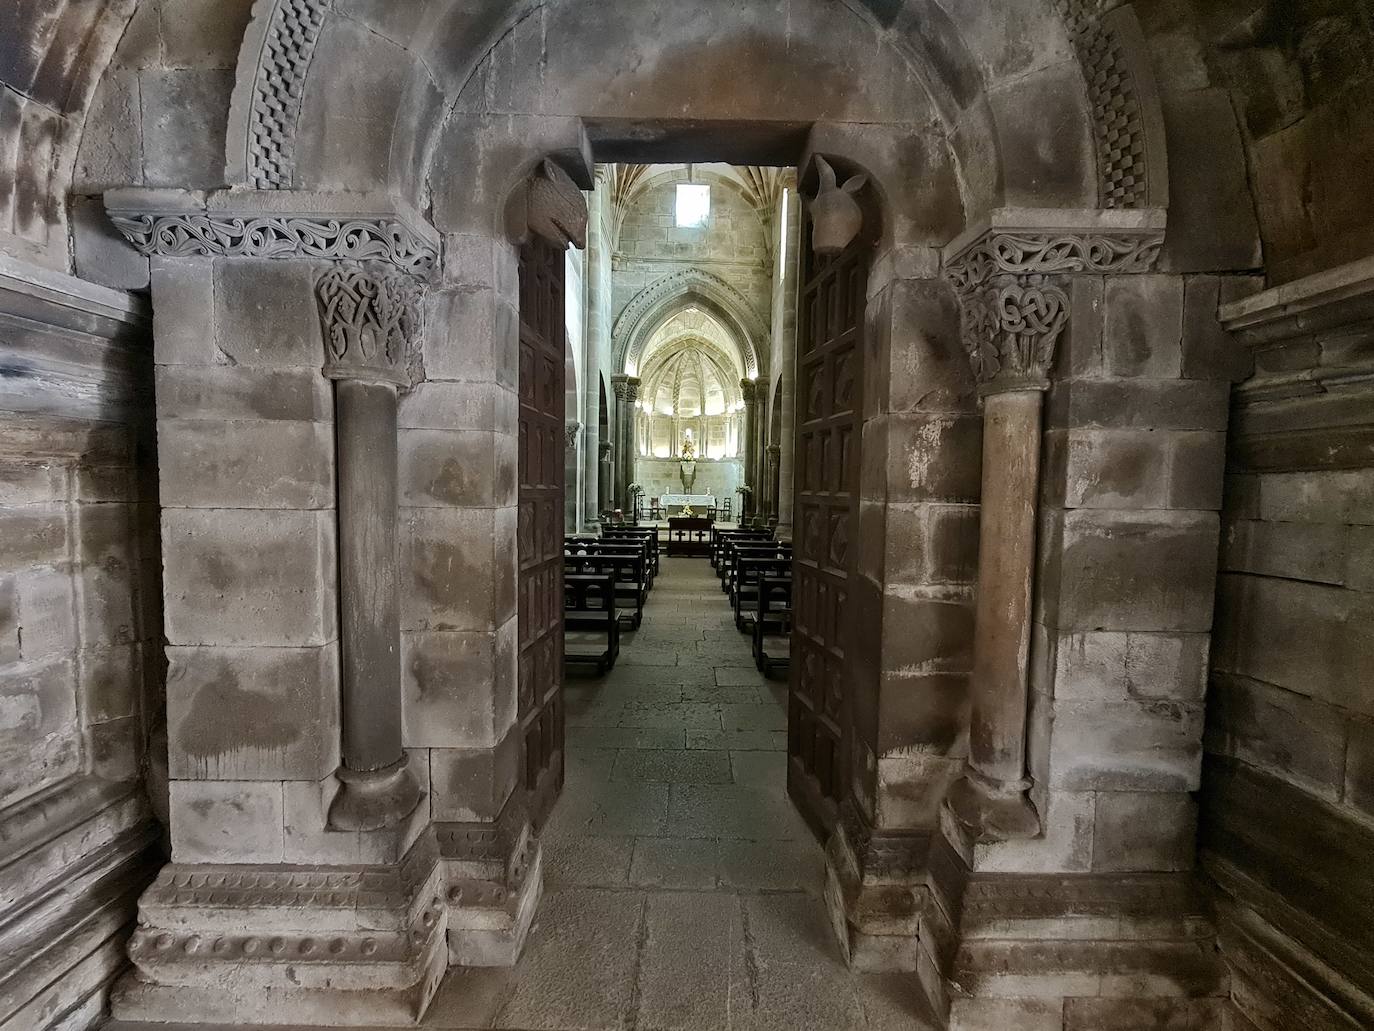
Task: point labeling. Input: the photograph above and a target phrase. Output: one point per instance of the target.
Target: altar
(673, 503)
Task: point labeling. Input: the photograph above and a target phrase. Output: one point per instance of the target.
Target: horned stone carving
(836, 217)
(550, 205)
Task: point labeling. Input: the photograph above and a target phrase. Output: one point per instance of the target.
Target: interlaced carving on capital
(1054, 254)
(372, 322)
(626, 388)
(1012, 327)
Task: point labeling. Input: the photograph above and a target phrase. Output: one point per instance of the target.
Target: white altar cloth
(698, 501)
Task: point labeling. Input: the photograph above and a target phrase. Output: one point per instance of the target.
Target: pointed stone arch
(665, 297)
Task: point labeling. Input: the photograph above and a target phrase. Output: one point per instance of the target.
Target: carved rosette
(372, 321)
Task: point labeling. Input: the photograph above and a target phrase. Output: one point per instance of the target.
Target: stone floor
(682, 890)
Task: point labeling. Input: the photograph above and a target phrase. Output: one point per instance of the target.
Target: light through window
(693, 205)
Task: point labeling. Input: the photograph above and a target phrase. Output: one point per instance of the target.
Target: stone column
(749, 389)
(771, 479)
(626, 394)
(572, 486)
(605, 479)
(1012, 326)
(370, 321)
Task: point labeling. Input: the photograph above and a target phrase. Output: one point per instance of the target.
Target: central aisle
(682, 890)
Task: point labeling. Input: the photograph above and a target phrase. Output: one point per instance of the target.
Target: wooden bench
(721, 539)
(736, 549)
(744, 589)
(626, 565)
(773, 625)
(589, 607)
(649, 535)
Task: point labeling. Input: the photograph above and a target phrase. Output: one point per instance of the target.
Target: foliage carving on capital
(194, 234)
(573, 431)
(626, 388)
(372, 321)
(1048, 253)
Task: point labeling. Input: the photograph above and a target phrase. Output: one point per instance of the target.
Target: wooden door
(540, 538)
(829, 418)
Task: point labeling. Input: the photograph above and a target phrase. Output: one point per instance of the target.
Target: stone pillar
(607, 476)
(626, 394)
(305, 885)
(771, 479)
(748, 505)
(572, 486)
(785, 353)
(1012, 327)
(370, 320)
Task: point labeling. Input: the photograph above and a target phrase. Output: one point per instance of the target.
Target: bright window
(693, 205)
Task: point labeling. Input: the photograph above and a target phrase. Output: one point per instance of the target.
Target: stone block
(1335, 496)
(926, 631)
(1080, 347)
(457, 468)
(242, 464)
(457, 568)
(921, 713)
(1139, 404)
(1197, 465)
(33, 535)
(112, 157)
(184, 312)
(1212, 224)
(1209, 352)
(1140, 832)
(1126, 746)
(203, 33)
(459, 687)
(908, 458)
(227, 822)
(1118, 570)
(1262, 619)
(1143, 326)
(1302, 740)
(473, 336)
(1359, 766)
(111, 682)
(1065, 844)
(1168, 1014)
(184, 115)
(266, 314)
(236, 392)
(1094, 468)
(1314, 552)
(473, 406)
(912, 787)
(474, 784)
(968, 1014)
(915, 358)
(1062, 173)
(249, 577)
(46, 614)
(285, 703)
(1119, 666)
(100, 254)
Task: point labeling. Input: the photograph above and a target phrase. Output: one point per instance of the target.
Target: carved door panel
(830, 352)
(540, 527)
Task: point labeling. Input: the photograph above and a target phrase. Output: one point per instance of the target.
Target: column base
(1062, 951)
(494, 875)
(989, 810)
(274, 945)
(876, 895)
(375, 799)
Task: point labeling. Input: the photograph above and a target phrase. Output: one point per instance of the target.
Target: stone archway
(671, 294)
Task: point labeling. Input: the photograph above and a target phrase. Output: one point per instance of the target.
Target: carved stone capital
(1012, 326)
(372, 321)
(626, 388)
(605, 448)
(258, 225)
(748, 389)
(573, 431)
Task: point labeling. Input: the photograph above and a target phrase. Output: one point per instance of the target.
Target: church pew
(749, 571)
(628, 569)
(589, 606)
(773, 625)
